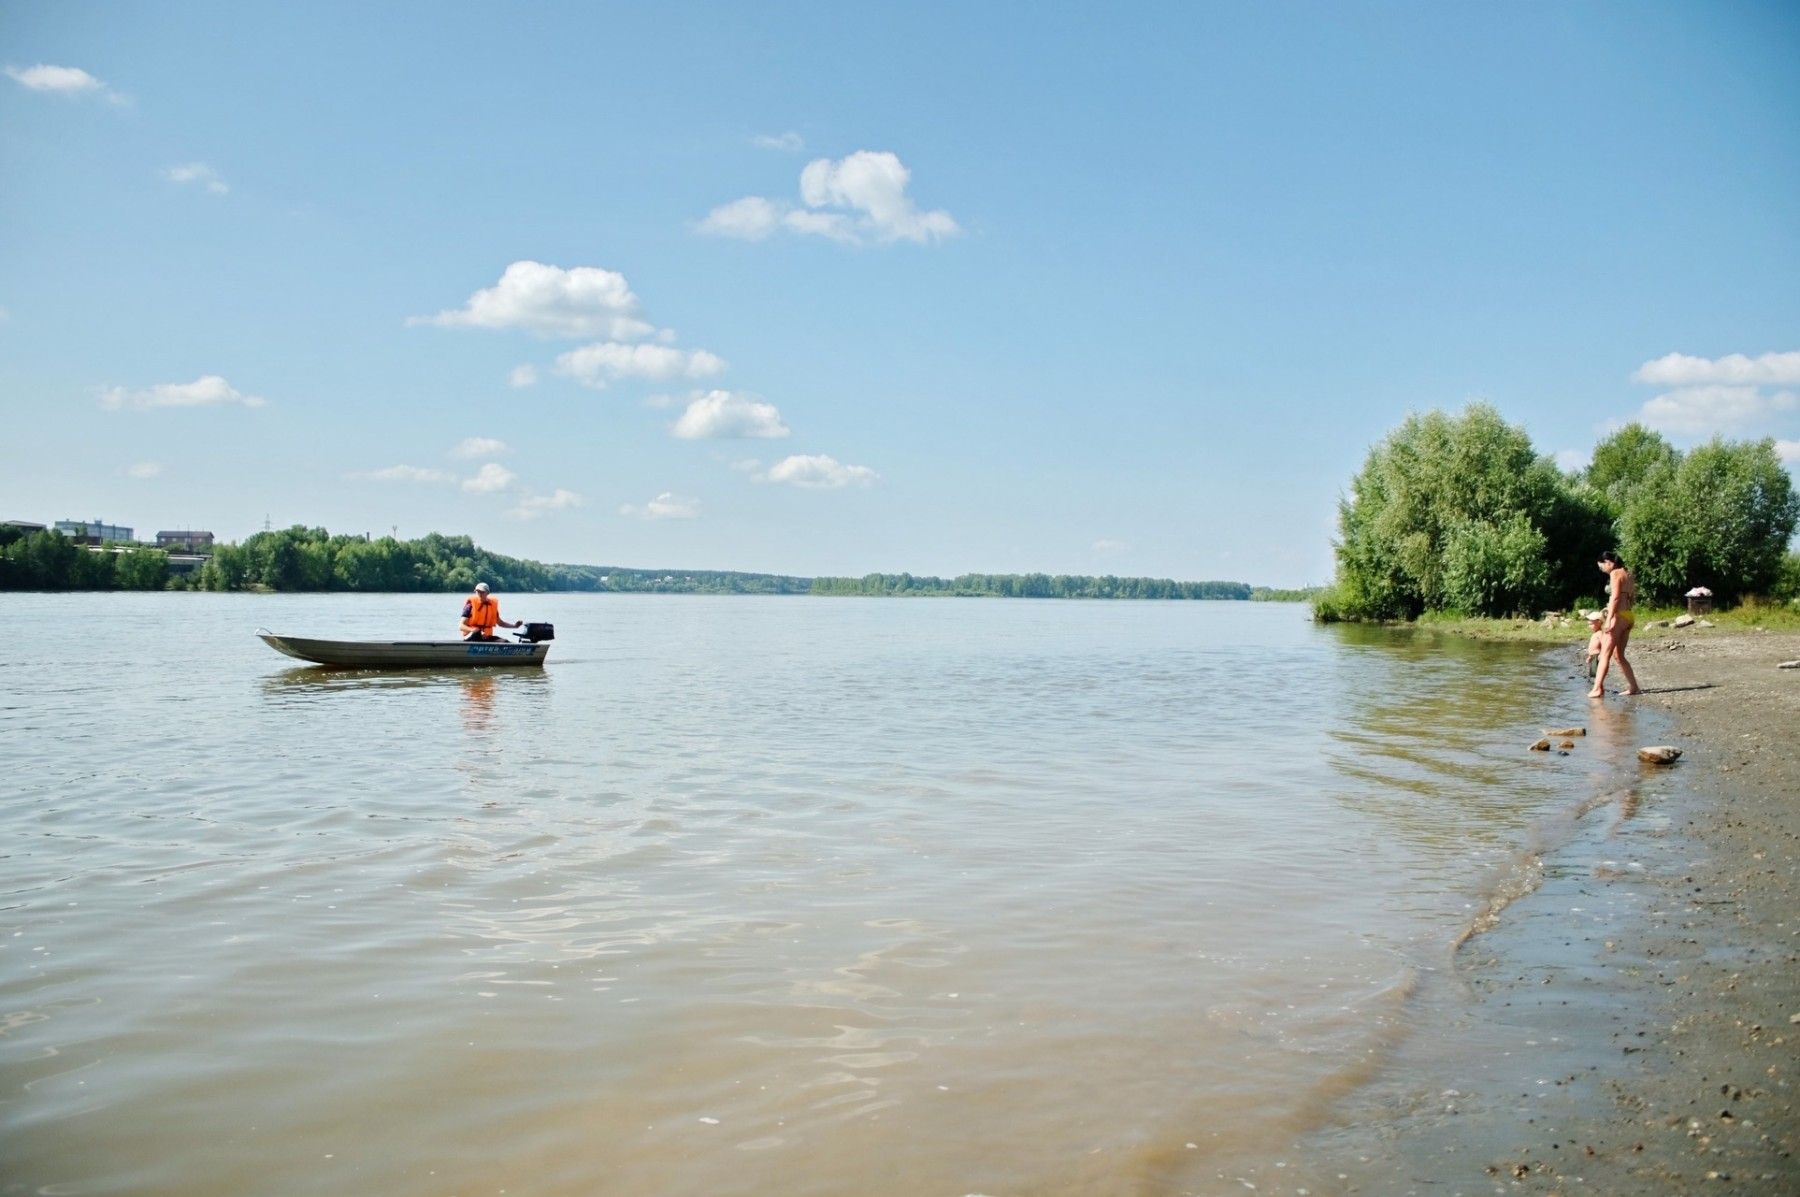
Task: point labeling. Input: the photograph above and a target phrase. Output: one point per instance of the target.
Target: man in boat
(481, 615)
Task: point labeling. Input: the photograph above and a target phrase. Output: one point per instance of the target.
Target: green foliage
(1623, 462)
(1278, 594)
(1457, 512)
(1493, 568)
(1787, 581)
(1030, 586)
(1460, 514)
(1721, 516)
(51, 561)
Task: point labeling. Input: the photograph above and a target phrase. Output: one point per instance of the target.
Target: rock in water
(1565, 731)
(1567, 744)
(1659, 754)
(1541, 746)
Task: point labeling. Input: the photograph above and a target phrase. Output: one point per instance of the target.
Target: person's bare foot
(1596, 694)
(1630, 693)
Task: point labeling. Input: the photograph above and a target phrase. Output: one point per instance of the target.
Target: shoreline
(1630, 1022)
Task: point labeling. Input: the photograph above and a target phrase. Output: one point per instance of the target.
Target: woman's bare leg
(1631, 682)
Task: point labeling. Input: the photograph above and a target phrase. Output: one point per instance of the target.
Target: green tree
(1721, 516)
(1470, 483)
(142, 569)
(1623, 462)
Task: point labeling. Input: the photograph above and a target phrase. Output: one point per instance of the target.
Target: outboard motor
(537, 633)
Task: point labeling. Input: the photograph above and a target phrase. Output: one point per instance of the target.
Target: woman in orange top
(481, 615)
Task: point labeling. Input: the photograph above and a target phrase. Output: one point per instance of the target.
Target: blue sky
(838, 288)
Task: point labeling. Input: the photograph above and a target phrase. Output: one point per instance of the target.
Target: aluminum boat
(406, 654)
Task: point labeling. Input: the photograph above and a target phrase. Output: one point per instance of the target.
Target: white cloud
(199, 174)
(478, 446)
(1734, 369)
(728, 414)
(789, 142)
(522, 376)
(818, 472)
(1702, 410)
(549, 301)
(407, 473)
(1788, 451)
(530, 507)
(1571, 460)
(206, 391)
(62, 80)
(1106, 546)
(597, 365)
(856, 199)
(143, 470)
(489, 479)
(749, 219)
(666, 506)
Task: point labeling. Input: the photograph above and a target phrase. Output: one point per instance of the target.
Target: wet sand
(1629, 1022)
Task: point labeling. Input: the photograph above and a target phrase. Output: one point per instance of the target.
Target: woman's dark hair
(1612, 556)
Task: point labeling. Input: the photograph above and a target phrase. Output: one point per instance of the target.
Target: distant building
(193, 542)
(92, 531)
(22, 527)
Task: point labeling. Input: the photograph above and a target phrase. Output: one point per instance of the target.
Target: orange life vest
(481, 613)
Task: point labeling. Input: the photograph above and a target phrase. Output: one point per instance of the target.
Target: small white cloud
(1701, 410)
(1571, 460)
(727, 414)
(1789, 452)
(789, 142)
(62, 80)
(596, 365)
(819, 472)
(199, 174)
(749, 219)
(1106, 546)
(666, 506)
(548, 301)
(522, 376)
(143, 470)
(489, 479)
(856, 199)
(206, 391)
(478, 446)
(1734, 369)
(532, 506)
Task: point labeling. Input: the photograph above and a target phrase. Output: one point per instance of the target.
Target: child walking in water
(1621, 593)
(1596, 643)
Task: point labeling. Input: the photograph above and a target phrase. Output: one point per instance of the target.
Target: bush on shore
(1461, 515)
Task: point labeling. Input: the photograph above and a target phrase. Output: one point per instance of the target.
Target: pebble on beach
(1659, 754)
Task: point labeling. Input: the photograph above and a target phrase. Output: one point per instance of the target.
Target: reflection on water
(740, 895)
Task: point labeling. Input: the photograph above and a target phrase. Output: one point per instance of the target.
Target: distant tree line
(1070, 586)
(301, 558)
(1461, 514)
(51, 561)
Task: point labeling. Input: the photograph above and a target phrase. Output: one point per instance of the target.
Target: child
(1596, 642)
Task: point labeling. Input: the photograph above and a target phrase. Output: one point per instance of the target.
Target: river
(737, 895)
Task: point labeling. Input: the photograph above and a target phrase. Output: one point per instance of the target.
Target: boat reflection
(310, 680)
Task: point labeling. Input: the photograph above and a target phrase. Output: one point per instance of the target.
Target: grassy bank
(1745, 617)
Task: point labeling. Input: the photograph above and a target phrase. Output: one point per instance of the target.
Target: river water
(738, 895)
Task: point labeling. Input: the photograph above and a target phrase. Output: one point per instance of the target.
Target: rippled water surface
(736, 896)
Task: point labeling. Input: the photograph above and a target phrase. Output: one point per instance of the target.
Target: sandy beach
(1635, 1017)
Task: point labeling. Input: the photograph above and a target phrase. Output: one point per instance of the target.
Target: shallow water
(738, 895)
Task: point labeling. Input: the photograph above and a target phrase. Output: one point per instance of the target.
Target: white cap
(481, 587)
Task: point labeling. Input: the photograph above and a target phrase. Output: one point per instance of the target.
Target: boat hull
(407, 654)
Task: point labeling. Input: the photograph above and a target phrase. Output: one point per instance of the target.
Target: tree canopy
(1459, 513)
